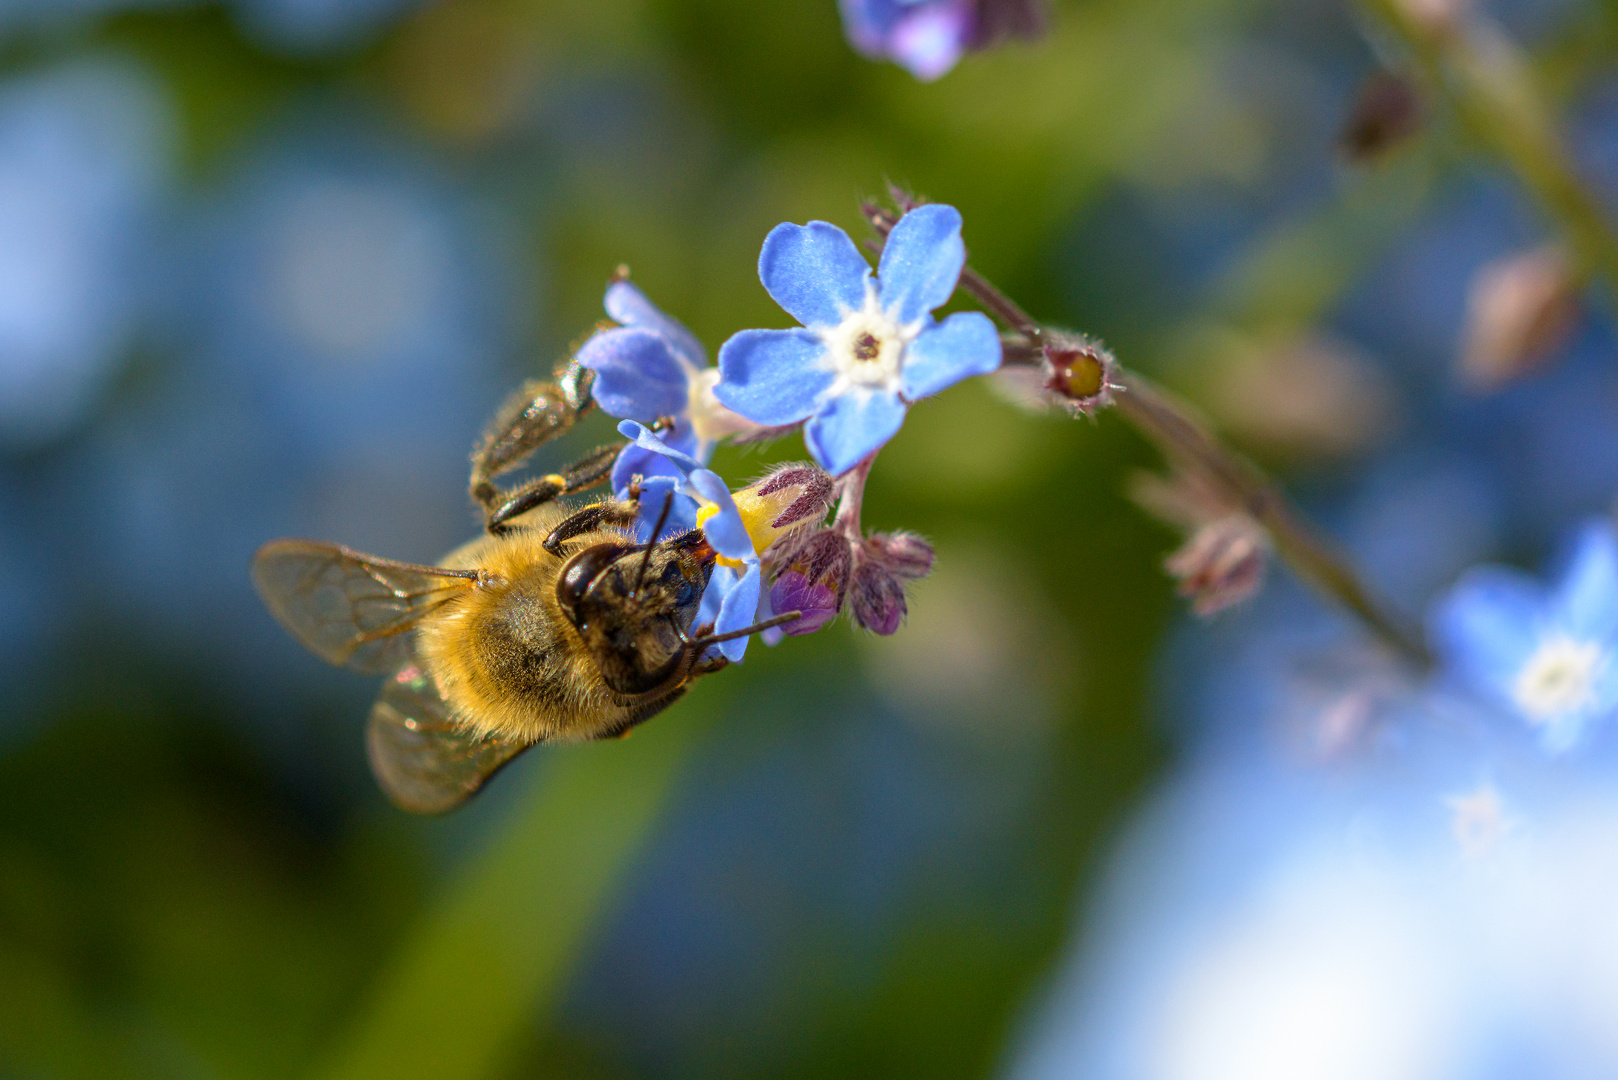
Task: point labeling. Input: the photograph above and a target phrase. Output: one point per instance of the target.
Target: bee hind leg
(538, 412)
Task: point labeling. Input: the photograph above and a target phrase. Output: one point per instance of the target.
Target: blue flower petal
(963, 345)
(1489, 625)
(814, 271)
(682, 515)
(773, 376)
(637, 374)
(1586, 603)
(921, 262)
(852, 426)
(738, 609)
(626, 304)
(636, 460)
(725, 530)
(642, 436)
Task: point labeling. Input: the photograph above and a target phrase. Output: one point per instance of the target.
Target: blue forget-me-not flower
(650, 367)
(1550, 656)
(867, 348)
(927, 37)
(740, 527)
(732, 599)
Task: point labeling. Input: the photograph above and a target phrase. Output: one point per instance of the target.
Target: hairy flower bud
(1520, 310)
(876, 598)
(1078, 372)
(903, 554)
(814, 598)
(811, 571)
(1222, 564)
(805, 489)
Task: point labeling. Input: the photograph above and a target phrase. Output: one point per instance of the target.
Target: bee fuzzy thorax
(501, 653)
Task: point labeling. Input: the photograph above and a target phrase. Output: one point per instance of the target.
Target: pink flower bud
(876, 599)
(805, 490)
(1521, 309)
(1222, 564)
(904, 554)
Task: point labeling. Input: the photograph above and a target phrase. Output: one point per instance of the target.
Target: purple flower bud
(815, 599)
(805, 488)
(904, 554)
(818, 555)
(876, 599)
(1222, 564)
(1078, 372)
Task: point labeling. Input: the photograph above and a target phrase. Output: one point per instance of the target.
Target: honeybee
(556, 625)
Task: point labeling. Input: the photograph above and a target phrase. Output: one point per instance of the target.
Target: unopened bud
(817, 554)
(1222, 564)
(1387, 111)
(876, 599)
(1078, 372)
(815, 600)
(791, 496)
(904, 554)
(1521, 309)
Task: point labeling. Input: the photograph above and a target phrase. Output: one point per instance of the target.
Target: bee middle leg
(592, 469)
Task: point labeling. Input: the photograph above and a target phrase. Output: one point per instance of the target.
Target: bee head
(633, 604)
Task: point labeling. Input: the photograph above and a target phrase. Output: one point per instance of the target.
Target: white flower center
(1559, 678)
(867, 348)
(710, 420)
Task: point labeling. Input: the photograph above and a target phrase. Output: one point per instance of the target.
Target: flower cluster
(867, 347)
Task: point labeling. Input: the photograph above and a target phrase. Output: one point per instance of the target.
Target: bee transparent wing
(350, 609)
(425, 762)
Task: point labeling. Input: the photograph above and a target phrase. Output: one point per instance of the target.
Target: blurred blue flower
(1550, 657)
(734, 598)
(83, 169)
(651, 367)
(340, 312)
(925, 37)
(867, 348)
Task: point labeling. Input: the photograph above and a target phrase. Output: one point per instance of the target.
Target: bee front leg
(615, 512)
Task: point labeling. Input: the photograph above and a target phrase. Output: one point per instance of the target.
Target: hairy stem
(1471, 61)
(1174, 428)
(853, 498)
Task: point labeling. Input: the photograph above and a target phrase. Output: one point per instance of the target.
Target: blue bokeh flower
(928, 37)
(650, 367)
(1551, 657)
(83, 176)
(734, 597)
(867, 349)
(925, 37)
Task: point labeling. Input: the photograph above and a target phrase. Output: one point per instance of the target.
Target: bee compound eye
(581, 571)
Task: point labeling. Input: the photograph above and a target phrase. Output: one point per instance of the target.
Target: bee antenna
(657, 530)
(767, 624)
